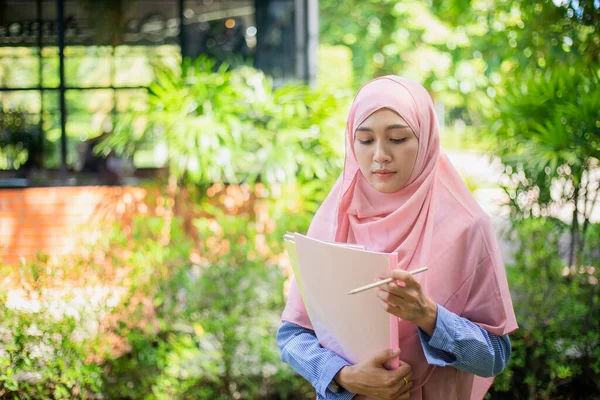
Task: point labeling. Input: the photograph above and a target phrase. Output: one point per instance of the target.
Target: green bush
(215, 311)
(46, 338)
(546, 131)
(556, 351)
(197, 318)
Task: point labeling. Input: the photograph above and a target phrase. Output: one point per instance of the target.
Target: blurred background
(153, 153)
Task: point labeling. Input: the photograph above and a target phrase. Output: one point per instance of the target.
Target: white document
(354, 326)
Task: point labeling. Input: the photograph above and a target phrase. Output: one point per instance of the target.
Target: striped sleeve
(459, 343)
(300, 349)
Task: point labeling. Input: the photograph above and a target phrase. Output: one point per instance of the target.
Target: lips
(384, 175)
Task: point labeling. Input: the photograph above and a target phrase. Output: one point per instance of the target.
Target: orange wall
(55, 220)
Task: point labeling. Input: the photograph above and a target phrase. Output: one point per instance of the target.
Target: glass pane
(51, 127)
(20, 143)
(89, 114)
(89, 101)
(49, 25)
(276, 36)
(169, 56)
(50, 63)
(24, 100)
(83, 131)
(51, 100)
(79, 15)
(18, 23)
(132, 100)
(19, 67)
(88, 66)
(219, 27)
(132, 66)
(152, 23)
(83, 126)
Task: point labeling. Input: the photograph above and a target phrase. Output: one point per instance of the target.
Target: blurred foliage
(224, 124)
(520, 79)
(21, 144)
(547, 134)
(194, 319)
(461, 49)
(41, 357)
(334, 67)
(200, 317)
(231, 125)
(48, 332)
(555, 351)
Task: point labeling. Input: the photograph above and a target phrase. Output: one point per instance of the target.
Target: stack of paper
(354, 326)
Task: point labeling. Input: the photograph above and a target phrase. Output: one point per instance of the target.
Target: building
(69, 68)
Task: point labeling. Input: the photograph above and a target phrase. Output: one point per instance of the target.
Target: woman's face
(386, 149)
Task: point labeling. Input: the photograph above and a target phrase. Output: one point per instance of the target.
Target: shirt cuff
(330, 369)
(440, 348)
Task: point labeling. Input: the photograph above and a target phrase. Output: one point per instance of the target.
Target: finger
(405, 387)
(402, 396)
(403, 370)
(394, 300)
(397, 308)
(390, 308)
(385, 355)
(405, 299)
(400, 291)
(389, 297)
(406, 277)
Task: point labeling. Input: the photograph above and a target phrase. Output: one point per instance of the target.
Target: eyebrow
(394, 126)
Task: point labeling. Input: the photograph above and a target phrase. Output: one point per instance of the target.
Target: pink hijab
(433, 220)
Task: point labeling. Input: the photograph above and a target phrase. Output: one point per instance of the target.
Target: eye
(366, 141)
(397, 140)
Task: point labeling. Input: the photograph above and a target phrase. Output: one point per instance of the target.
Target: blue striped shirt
(456, 342)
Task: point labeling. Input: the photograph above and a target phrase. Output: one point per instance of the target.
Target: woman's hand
(372, 379)
(408, 301)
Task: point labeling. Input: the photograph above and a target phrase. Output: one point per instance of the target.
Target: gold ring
(405, 380)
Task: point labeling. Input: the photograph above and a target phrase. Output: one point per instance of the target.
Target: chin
(386, 188)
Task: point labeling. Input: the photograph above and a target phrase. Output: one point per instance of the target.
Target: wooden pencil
(383, 282)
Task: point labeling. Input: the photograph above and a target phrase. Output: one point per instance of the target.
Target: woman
(399, 193)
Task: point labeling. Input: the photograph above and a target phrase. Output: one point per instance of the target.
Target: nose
(382, 154)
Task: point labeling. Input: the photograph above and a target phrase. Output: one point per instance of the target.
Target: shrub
(556, 351)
